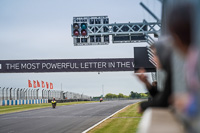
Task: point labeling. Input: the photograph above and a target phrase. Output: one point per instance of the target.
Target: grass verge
(18, 108)
(126, 121)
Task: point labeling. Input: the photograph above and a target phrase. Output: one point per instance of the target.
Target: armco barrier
(22, 102)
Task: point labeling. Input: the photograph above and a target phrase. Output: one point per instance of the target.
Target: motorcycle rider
(101, 99)
(53, 103)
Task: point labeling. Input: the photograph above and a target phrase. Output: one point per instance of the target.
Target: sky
(41, 29)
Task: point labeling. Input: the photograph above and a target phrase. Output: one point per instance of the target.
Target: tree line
(132, 95)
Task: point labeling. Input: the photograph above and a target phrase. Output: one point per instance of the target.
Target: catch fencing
(19, 96)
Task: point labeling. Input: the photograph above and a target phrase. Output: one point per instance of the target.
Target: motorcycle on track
(53, 102)
(101, 99)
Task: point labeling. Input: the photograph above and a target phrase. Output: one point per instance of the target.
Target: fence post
(7, 93)
(25, 94)
(27, 91)
(3, 94)
(42, 93)
(48, 93)
(17, 93)
(14, 93)
(31, 93)
(10, 93)
(37, 93)
(20, 92)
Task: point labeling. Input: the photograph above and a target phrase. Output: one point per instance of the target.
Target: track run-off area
(64, 119)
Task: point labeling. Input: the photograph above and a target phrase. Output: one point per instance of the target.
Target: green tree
(144, 95)
(120, 95)
(125, 96)
(133, 94)
(109, 95)
(115, 96)
(138, 95)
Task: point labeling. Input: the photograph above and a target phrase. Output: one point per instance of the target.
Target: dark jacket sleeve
(161, 99)
(153, 91)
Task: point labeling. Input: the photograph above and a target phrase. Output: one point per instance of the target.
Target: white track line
(103, 120)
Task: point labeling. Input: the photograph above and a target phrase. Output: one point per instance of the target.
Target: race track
(63, 119)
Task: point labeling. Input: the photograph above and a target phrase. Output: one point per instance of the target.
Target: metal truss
(99, 31)
(124, 28)
(154, 76)
(150, 41)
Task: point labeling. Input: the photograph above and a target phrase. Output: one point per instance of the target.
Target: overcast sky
(41, 29)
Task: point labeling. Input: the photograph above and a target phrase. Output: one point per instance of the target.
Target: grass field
(126, 121)
(18, 108)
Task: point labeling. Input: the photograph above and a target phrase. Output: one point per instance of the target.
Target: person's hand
(141, 75)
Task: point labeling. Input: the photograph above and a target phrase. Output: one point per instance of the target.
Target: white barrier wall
(22, 102)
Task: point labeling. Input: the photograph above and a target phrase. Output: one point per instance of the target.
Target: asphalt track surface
(63, 119)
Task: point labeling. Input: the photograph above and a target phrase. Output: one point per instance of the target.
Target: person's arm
(161, 99)
(153, 91)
